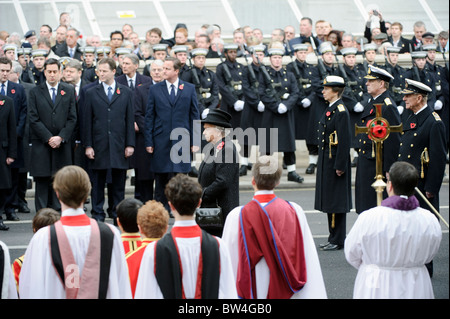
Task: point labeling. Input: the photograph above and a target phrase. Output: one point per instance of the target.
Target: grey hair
(133, 57)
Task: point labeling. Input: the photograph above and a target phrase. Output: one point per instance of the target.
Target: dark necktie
(53, 95)
(109, 94)
(2, 91)
(131, 84)
(172, 93)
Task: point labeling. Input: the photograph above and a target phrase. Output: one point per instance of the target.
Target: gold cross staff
(378, 130)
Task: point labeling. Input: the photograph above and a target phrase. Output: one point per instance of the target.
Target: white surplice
(390, 248)
(189, 249)
(9, 290)
(39, 279)
(314, 287)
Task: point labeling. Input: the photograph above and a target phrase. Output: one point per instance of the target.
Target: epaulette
(436, 116)
(387, 101)
(341, 108)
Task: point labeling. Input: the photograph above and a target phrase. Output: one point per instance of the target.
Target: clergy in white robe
(190, 258)
(314, 287)
(8, 288)
(390, 245)
(189, 251)
(79, 238)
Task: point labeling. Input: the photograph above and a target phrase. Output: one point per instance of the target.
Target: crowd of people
(77, 118)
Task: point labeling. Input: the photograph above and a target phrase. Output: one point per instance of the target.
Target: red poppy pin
(181, 86)
(118, 91)
(328, 113)
(412, 125)
(371, 111)
(2, 102)
(13, 91)
(63, 92)
(220, 146)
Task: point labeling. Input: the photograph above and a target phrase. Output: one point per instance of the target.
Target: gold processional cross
(378, 130)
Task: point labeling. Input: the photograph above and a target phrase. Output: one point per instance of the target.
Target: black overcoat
(48, 120)
(8, 139)
(219, 176)
(333, 192)
(109, 126)
(285, 123)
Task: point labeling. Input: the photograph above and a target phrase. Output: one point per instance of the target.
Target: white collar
(133, 78)
(168, 84)
(49, 87)
(264, 192)
(184, 223)
(423, 108)
(72, 212)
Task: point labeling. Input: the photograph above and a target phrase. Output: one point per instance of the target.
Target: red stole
(86, 287)
(134, 259)
(272, 232)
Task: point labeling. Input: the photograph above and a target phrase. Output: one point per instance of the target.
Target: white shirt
(106, 86)
(314, 287)
(5, 87)
(175, 85)
(390, 248)
(133, 79)
(50, 89)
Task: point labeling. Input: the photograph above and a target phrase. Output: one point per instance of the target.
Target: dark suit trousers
(161, 180)
(116, 191)
(45, 196)
(337, 227)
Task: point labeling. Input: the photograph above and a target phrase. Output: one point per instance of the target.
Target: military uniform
(89, 74)
(397, 84)
(279, 93)
(162, 47)
(318, 105)
(364, 67)
(441, 81)
(423, 144)
(253, 109)
(35, 76)
(304, 77)
(355, 94)
(365, 195)
(333, 193)
(229, 77)
(304, 73)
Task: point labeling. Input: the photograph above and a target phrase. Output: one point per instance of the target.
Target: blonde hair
(153, 219)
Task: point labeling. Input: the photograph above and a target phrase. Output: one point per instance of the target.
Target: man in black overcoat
(8, 151)
(53, 116)
(109, 137)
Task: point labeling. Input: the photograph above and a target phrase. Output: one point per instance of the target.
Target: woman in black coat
(219, 171)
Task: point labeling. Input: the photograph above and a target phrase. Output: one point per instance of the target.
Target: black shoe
(24, 209)
(249, 166)
(294, 177)
(355, 161)
(243, 170)
(12, 216)
(324, 245)
(331, 247)
(29, 183)
(311, 168)
(3, 226)
(193, 172)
